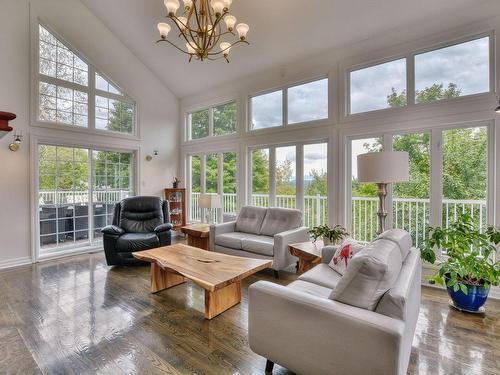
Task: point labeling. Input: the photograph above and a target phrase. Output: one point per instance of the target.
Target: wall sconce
(5, 117)
(16, 145)
(150, 157)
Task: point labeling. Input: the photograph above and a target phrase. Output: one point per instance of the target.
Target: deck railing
(410, 214)
(46, 197)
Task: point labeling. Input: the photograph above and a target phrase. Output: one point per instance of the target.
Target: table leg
(162, 279)
(305, 265)
(222, 299)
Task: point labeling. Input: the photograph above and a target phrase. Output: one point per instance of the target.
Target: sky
(315, 157)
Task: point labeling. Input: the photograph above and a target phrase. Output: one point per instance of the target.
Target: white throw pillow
(344, 254)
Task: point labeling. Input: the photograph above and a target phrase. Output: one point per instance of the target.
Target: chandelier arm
(169, 42)
(195, 11)
(231, 46)
(176, 20)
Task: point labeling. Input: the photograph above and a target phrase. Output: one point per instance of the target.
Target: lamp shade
(383, 167)
(210, 201)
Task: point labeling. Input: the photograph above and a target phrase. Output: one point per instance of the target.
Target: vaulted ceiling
(281, 31)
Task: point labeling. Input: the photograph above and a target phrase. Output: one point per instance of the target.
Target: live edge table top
(208, 269)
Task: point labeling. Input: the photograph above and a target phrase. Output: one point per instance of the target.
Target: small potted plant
(466, 267)
(330, 235)
(176, 182)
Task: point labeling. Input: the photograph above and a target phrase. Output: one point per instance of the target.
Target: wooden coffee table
(197, 235)
(309, 254)
(219, 274)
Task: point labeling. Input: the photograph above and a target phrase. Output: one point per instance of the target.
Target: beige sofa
(262, 233)
(360, 323)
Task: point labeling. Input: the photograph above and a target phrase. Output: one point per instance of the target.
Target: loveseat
(358, 323)
(262, 233)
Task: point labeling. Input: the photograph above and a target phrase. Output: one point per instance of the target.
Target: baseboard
(15, 262)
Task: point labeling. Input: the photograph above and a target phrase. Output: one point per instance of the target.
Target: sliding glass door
(77, 190)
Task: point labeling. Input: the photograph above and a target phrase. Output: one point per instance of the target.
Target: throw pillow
(344, 254)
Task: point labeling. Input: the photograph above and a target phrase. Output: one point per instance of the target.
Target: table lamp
(383, 168)
(209, 202)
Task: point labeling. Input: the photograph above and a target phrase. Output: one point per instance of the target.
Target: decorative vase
(175, 185)
(472, 301)
(326, 241)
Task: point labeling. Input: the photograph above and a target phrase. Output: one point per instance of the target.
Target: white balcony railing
(46, 197)
(410, 214)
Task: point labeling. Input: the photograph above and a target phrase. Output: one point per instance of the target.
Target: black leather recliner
(139, 223)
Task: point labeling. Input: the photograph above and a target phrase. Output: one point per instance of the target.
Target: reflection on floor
(76, 315)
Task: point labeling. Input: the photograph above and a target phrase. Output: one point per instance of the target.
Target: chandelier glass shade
(207, 30)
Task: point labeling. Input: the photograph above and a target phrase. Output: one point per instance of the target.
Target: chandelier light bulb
(225, 47)
(230, 22)
(190, 49)
(227, 4)
(182, 23)
(164, 29)
(172, 6)
(188, 4)
(242, 29)
(217, 6)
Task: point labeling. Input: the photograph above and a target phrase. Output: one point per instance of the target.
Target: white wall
(158, 110)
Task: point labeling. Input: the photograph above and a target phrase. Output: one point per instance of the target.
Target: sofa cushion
(322, 275)
(258, 244)
(137, 241)
(400, 237)
(371, 273)
(344, 253)
(231, 240)
(310, 288)
(279, 220)
(250, 219)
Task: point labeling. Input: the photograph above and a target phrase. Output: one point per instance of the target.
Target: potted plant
(466, 267)
(329, 235)
(176, 182)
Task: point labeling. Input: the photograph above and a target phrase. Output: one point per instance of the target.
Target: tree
(122, 117)
(260, 172)
(225, 119)
(427, 95)
(318, 183)
(284, 172)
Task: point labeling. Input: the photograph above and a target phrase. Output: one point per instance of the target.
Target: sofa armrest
(163, 228)
(112, 230)
(216, 229)
(327, 253)
(282, 257)
(309, 334)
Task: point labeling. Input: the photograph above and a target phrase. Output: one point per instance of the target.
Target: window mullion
(272, 176)
(210, 122)
(91, 99)
(285, 106)
(410, 80)
(299, 167)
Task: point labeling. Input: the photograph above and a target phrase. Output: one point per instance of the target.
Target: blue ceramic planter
(475, 298)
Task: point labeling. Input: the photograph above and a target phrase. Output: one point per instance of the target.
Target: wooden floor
(78, 316)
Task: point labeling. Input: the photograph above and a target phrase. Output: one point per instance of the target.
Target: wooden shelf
(176, 202)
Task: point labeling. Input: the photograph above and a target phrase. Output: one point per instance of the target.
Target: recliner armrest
(113, 230)
(163, 228)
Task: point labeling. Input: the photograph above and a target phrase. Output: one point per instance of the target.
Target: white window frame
(410, 77)
(284, 106)
(211, 134)
(91, 91)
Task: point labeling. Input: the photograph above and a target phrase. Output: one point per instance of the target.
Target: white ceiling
(281, 31)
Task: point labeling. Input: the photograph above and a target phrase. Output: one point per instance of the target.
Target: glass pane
(378, 87)
(267, 110)
(458, 70)
(308, 102)
(225, 119)
(102, 84)
(199, 124)
(230, 178)
(62, 105)
(286, 177)
(411, 204)
(364, 196)
(211, 173)
(195, 168)
(260, 177)
(114, 115)
(465, 174)
(315, 184)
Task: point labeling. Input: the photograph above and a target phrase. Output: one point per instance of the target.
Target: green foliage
(333, 234)
(468, 258)
(284, 173)
(437, 92)
(318, 184)
(199, 124)
(121, 117)
(225, 119)
(260, 172)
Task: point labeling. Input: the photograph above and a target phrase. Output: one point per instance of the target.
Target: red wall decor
(5, 117)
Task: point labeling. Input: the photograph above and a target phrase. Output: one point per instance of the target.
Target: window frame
(90, 90)
(284, 107)
(210, 108)
(347, 68)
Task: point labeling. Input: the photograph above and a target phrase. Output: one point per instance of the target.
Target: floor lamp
(383, 168)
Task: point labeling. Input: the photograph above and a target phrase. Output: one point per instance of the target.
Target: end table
(197, 235)
(309, 254)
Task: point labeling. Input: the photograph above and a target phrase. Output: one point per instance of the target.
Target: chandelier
(204, 24)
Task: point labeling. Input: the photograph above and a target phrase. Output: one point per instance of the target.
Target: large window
(315, 184)
(286, 177)
(213, 121)
(67, 86)
(77, 190)
(305, 102)
(378, 87)
(458, 70)
(260, 177)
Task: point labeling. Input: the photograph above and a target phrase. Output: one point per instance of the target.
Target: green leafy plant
(177, 180)
(333, 234)
(467, 260)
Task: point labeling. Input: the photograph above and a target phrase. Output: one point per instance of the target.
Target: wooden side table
(197, 235)
(309, 254)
